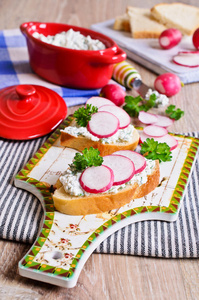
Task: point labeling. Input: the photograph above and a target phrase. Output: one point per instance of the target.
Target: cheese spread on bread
(71, 184)
(122, 135)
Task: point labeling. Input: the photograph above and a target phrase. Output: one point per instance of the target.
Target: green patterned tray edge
(28, 261)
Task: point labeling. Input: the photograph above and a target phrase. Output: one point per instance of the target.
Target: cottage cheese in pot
(71, 39)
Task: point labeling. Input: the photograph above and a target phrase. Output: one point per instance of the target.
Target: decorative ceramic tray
(148, 53)
(65, 242)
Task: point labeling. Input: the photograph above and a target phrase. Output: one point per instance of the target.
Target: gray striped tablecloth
(21, 213)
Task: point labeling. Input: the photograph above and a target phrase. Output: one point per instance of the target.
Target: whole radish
(195, 39)
(168, 84)
(113, 92)
(169, 38)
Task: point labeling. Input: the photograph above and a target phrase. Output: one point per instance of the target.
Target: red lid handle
(25, 91)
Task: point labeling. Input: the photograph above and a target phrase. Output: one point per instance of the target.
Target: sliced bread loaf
(177, 15)
(142, 23)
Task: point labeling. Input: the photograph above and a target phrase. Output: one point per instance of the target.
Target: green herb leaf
(89, 157)
(83, 114)
(136, 104)
(173, 113)
(151, 102)
(153, 150)
(132, 105)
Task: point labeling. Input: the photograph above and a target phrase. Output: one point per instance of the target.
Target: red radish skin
(123, 168)
(163, 121)
(188, 59)
(195, 39)
(155, 131)
(169, 38)
(147, 118)
(113, 92)
(138, 159)
(168, 84)
(103, 124)
(99, 101)
(123, 117)
(97, 179)
(168, 139)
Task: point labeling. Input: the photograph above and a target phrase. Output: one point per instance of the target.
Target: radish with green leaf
(169, 38)
(113, 92)
(168, 84)
(195, 39)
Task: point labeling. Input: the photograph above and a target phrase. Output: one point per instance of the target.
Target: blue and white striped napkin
(21, 213)
(15, 69)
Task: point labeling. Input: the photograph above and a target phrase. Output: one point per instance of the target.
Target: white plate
(148, 53)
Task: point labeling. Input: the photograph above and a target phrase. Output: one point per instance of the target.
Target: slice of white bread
(122, 23)
(80, 143)
(102, 202)
(177, 15)
(142, 23)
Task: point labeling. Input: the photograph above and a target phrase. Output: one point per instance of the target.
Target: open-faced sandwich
(101, 125)
(94, 184)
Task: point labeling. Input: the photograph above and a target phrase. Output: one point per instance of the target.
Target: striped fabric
(21, 213)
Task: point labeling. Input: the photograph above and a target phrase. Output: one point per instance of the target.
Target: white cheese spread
(161, 100)
(122, 135)
(71, 39)
(72, 185)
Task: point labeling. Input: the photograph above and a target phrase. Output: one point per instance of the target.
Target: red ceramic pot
(84, 69)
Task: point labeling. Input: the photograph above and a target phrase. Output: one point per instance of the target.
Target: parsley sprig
(173, 113)
(135, 104)
(89, 157)
(83, 114)
(153, 150)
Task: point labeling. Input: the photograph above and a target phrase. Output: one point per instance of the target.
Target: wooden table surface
(103, 276)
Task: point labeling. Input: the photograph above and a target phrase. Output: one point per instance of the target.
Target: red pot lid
(29, 111)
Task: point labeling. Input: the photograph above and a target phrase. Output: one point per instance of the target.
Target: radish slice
(103, 124)
(97, 179)
(169, 139)
(163, 121)
(138, 159)
(147, 118)
(123, 168)
(155, 131)
(99, 101)
(123, 117)
(187, 59)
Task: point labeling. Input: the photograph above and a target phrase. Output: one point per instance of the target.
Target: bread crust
(122, 23)
(102, 202)
(80, 143)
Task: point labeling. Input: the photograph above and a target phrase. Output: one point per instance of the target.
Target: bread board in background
(148, 53)
(65, 242)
